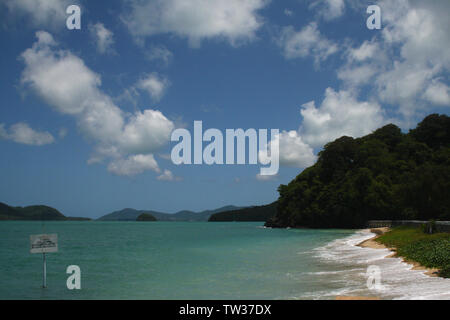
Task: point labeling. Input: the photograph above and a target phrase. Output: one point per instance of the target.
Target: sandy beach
(371, 243)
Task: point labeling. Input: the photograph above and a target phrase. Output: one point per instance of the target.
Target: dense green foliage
(260, 213)
(431, 251)
(146, 217)
(33, 213)
(384, 175)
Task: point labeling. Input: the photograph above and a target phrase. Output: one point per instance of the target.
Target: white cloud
(438, 93)
(329, 9)
(145, 132)
(103, 38)
(357, 76)
(293, 151)
(363, 64)
(160, 53)
(288, 12)
(419, 31)
(59, 77)
(407, 61)
(339, 114)
(22, 133)
(70, 87)
(167, 175)
(306, 42)
(133, 165)
(234, 20)
(365, 51)
(402, 83)
(265, 178)
(154, 84)
(62, 133)
(41, 13)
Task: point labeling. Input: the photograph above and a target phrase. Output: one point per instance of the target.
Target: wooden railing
(441, 226)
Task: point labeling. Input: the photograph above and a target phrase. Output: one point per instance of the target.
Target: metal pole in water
(44, 279)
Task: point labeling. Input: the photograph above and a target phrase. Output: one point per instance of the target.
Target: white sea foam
(349, 263)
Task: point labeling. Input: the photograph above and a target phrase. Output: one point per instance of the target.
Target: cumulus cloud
(288, 12)
(357, 75)
(407, 60)
(103, 38)
(70, 87)
(293, 151)
(339, 114)
(22, 133)
(134, 165)
(167, 175)
(62, 133)
(367, 50)
(160, 53)
(41, 13)
(306, 42)
(329, 9)
(154, 84)
(438, 93)
(234, 20)
(363, 63)
(265, 178)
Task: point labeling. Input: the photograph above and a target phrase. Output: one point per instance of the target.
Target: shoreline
(371, 243)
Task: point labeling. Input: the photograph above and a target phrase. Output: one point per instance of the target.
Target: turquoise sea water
(170, 260)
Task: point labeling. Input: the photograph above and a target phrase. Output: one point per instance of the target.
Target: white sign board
(43, 243)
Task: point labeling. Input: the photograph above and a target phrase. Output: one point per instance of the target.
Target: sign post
(44, 243)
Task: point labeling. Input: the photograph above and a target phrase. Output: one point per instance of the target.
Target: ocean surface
(171, 260)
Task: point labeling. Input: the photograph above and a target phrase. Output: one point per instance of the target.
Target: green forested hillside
(33, 213)
(260, 213)
(384, 175)
(145, 217)
(29, 213)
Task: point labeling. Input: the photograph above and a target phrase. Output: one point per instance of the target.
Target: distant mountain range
(227, 213)
(185, 215)
(257, 214)
(33, 213)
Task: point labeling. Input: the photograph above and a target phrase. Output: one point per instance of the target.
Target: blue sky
(86, 115)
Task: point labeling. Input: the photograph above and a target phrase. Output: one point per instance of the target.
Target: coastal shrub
(445, 272)
(430, 250)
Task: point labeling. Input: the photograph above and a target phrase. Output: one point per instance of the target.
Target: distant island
(185, 215)
(386, 175)
(34, 213)
(251, 214)
(145, 217)
(41, 212)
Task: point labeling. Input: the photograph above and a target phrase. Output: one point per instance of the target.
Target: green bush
(430, 250)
